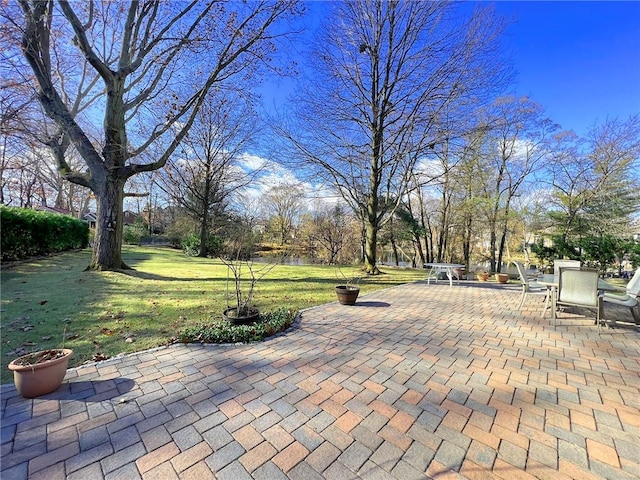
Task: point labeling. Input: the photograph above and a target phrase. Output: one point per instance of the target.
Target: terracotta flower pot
(502, 277)
(483, 277)
(347, 295)
(35, 375)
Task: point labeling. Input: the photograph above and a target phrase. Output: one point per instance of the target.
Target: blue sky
(579, 60)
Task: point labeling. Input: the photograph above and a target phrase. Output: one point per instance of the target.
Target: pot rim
(13, 365)
(252, 310)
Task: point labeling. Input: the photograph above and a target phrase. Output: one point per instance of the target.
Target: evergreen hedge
(27, 232)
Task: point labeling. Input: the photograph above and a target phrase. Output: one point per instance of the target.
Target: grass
(52, 302)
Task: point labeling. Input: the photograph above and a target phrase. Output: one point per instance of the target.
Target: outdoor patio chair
(578, 288)
(531, 287)
(630, 298)
(558, 264)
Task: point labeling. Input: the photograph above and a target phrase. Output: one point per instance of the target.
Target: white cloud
(251, 162)
(273, 174)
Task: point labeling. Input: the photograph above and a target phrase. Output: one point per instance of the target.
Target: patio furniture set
(570, 285)
(573, 286)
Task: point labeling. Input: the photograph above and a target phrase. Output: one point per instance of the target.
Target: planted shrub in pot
(240, 308)
(243, 274)
(39, 373)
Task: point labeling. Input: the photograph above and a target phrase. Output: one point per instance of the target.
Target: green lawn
(48, 303)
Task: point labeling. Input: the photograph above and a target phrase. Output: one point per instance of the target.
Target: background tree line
(404, 123)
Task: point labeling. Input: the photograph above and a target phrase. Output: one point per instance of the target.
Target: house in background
(128, 216)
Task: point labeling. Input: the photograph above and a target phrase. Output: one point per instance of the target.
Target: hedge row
(26, 233)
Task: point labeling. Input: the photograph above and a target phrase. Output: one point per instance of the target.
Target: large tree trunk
(394, 249)
(418, 248)
(371, 242)
(466, 243)
(492, 246)
(204, 219)
(371, 226)
(503, 242)
(108, 239)
(204, 234)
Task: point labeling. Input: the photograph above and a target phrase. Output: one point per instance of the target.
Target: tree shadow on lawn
(154, 276)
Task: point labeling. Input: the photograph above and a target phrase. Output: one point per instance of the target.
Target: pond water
(287, 260)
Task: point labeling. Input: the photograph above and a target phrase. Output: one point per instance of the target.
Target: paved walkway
(418, 381)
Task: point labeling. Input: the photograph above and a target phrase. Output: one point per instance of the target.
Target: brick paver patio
(418, 381)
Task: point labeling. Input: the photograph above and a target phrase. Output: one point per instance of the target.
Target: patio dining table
(551, 281)
(448, 268)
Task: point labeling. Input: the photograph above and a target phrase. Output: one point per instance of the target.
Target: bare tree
(531, 210)
(384, 71)
(285, 204)
(30, 131)
(595, 180)
(330, 229)
(206, 172)
(516, 148)
(148, 60)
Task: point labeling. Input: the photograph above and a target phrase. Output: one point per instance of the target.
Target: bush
(131, 234)
(222, 331)
(191, 245)
(27, 232)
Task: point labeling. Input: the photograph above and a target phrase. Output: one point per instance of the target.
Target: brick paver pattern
(417, 381)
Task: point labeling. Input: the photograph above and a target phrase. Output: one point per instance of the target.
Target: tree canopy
(385, 76)
(138, 65)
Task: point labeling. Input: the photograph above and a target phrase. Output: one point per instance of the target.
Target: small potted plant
(39, 373)
(348, 292)
(482, 275)
(245, 277)
(244, 273)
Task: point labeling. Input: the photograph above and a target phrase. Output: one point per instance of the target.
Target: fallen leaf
(17, 352)
(48, 337)
(107, 331)
(26, 328)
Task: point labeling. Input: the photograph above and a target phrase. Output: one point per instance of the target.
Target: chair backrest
(578, 287)
(633, 287)
(558, 264)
